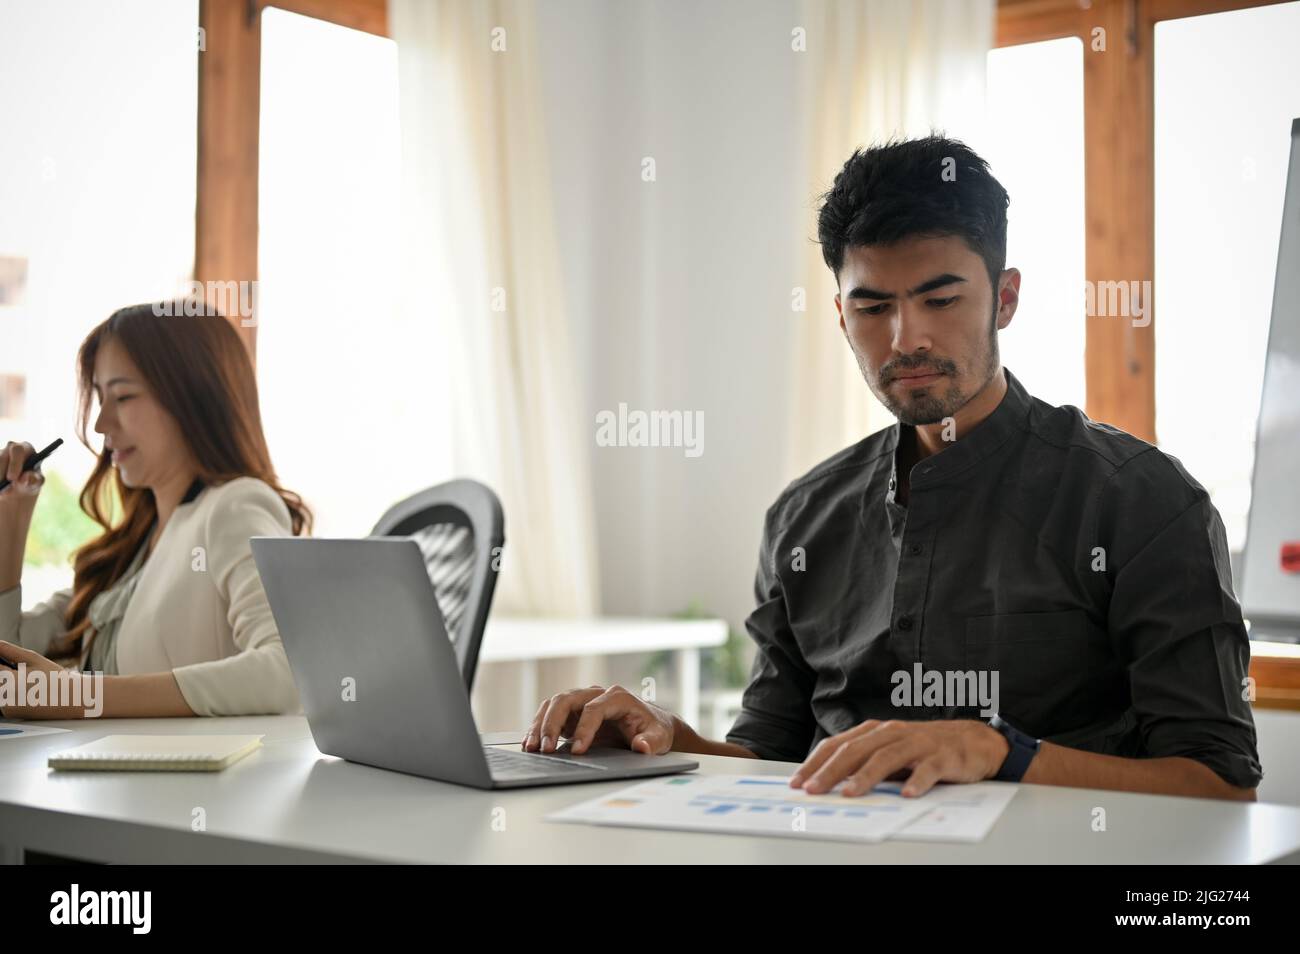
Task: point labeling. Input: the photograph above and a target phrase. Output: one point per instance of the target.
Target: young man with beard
(987, 531)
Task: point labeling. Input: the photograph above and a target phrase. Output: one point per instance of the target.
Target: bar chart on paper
(762, 805)
(767, 805)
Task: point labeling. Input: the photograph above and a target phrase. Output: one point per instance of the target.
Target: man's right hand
(613, 716)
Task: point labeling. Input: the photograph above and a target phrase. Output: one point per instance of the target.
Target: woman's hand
(17, 501)
(58, 687)
(23, 487)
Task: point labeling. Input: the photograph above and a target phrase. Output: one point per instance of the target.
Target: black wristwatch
(1023, 749)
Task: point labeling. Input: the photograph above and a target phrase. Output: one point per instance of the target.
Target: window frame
(230, 67)
(1119, 181)
(1119, 176)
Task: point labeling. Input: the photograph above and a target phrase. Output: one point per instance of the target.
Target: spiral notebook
(157, 753)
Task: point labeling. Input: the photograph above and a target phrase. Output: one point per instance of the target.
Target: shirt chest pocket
(1047, 666)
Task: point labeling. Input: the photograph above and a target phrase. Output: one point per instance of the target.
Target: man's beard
(934, 405)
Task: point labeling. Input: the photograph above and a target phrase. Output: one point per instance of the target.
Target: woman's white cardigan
(198, 610)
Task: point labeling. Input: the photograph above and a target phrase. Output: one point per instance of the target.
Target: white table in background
(288, 803)
(508, 639)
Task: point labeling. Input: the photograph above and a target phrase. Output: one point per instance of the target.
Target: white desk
(527, 640)
(288, 803)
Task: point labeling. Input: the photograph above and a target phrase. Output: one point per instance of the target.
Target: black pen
(35, 460)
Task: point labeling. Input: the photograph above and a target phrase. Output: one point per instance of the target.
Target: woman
(166, 602)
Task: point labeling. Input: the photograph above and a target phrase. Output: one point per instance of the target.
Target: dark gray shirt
(1085, 566)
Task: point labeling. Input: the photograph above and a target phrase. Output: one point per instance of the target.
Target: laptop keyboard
(509, 763)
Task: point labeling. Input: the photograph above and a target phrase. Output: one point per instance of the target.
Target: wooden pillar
(225, 245)
(1119, 204)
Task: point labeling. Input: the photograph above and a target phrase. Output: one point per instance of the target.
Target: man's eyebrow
(947, 278)
(863, 292)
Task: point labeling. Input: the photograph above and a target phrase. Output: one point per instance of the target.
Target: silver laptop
(378, 675)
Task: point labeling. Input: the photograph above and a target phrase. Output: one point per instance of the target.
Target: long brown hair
(199, 371)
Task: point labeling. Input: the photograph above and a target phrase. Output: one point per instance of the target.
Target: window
(1035, 149)
(1227, 86)
(97, 191)
(353, 397)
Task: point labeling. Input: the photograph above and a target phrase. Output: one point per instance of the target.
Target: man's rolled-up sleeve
(1175, 621)
(776, 719)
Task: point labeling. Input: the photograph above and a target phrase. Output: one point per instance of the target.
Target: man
(1080, 571)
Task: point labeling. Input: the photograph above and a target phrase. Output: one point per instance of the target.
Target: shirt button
(905, 623)
(914, 549)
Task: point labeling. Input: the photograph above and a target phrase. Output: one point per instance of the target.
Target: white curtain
(877, 69)
(480, 240)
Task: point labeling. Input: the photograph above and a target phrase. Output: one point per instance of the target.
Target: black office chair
(460, 529)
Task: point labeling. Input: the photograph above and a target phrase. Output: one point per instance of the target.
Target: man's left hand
(954, 750)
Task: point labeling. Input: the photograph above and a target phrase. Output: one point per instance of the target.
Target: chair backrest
(460, 529)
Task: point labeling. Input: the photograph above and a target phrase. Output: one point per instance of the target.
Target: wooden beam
(1031, 21)
(225, 241)
(1157, 10)
(370, 16)
(1119, 214)
(1276, 671)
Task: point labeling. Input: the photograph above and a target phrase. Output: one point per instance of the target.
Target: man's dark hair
(900, 190)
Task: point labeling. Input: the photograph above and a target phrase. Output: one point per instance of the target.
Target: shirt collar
(987, 436)
(196, 488)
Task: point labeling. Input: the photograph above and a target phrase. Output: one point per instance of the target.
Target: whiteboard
(1270, 596)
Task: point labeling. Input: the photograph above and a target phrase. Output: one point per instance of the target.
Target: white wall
(680, 288)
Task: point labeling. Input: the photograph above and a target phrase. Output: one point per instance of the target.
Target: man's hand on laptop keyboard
(598, 715)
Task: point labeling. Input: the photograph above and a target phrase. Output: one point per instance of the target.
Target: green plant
(58, 526)
(721, 667)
